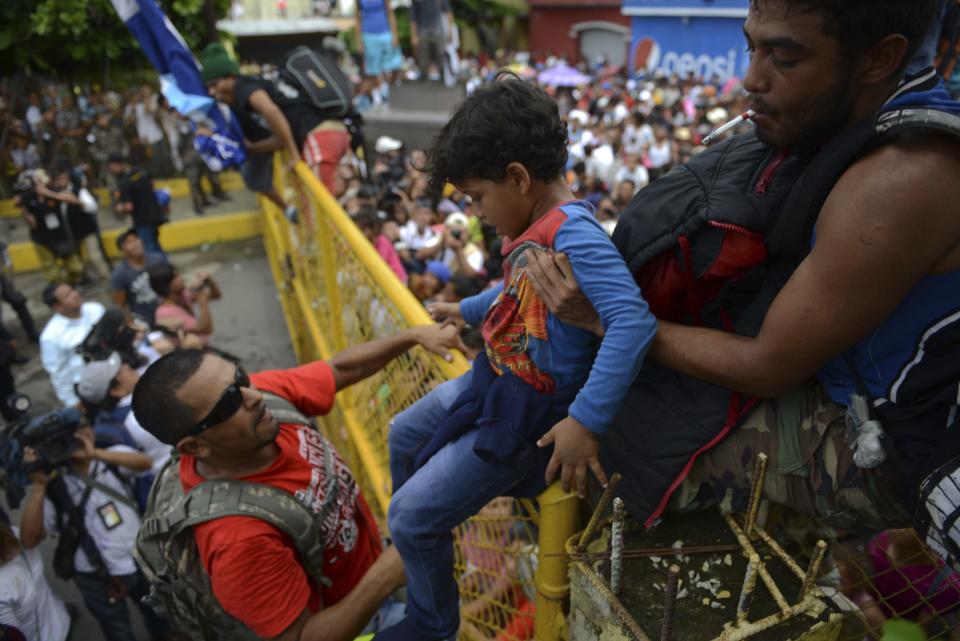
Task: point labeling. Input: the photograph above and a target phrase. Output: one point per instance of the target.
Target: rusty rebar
(756, 492)
(813, 569)
(598, 511)
(616, 546)
(749, 583)
(670, 602)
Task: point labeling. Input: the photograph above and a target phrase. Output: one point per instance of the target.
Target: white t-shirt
(34, 117)
(58, 349)
(148, 130)
(412, 237)
(473, 254)
(112, 524)
(26, 600)
(639, 175)
(660, 154)
(157, 450)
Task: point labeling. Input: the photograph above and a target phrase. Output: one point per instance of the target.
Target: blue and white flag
(180, 80)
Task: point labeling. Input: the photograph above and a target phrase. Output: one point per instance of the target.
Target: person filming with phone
(179, 299)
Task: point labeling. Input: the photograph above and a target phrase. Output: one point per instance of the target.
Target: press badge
(52, 220)
(109, 515)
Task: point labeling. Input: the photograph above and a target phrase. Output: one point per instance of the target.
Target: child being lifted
(539, 382)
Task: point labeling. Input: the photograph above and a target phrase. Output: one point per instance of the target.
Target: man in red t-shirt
(215, 416)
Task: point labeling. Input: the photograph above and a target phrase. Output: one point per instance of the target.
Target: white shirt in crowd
(26, 600)
(58, 349)
(660, 154)
(602, 163)
(148, 130)
(636, 139)
(639, 175)
(112, 524)
(471, 252)
(158, 451)
(411, 236)
(34, 117)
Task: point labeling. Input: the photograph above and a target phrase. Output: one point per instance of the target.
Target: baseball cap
(96, 378)
(438, 269)
(386, 144)
(456, 219)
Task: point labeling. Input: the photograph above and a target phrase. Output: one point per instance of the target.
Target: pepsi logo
(647, 55)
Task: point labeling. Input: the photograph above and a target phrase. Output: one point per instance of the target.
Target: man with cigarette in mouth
(873, 310)
(217, 417)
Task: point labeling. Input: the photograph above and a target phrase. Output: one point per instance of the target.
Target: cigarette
(736, 122)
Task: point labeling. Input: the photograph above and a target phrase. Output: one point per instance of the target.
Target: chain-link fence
(336, 291)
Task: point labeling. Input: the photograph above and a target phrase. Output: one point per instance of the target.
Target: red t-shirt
(253, 567)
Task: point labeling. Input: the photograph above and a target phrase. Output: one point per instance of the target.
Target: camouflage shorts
(810, 469)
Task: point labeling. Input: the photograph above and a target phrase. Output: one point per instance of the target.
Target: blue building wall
(690, 37)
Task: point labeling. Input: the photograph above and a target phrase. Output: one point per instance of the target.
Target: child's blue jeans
(429, 503)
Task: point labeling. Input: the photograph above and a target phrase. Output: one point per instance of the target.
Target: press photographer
(84, 493)
(50, 232)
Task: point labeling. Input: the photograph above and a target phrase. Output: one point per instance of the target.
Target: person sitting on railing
(217, 418)
(539, 382)
(271, 121)
(175, 311)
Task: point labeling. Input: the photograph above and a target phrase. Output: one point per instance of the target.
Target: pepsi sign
(712, 49)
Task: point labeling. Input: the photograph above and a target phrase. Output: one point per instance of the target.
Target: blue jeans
(429, 503)
(151, 243)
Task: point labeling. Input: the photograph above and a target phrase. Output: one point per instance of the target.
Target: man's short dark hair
(124, 235)
(860, 24)
(49, 294)
(505, 121)
(155, 402)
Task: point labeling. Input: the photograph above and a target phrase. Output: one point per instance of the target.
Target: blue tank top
(373, 15)
(913, 356)
(914, 349)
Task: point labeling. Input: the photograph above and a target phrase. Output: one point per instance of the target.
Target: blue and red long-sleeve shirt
(521, 336)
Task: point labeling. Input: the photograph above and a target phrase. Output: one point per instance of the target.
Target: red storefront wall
(551, 20)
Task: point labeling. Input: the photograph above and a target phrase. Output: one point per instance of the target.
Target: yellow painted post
(559, 520)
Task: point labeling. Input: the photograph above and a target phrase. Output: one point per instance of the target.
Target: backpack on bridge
(712, 243)
(312, 78)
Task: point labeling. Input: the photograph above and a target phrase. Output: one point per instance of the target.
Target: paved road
(248, 322)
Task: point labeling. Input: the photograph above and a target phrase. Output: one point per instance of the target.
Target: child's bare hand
(443, 311)
(575, 449)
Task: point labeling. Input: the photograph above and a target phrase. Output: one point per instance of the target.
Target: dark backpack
(312, 78)
(712, 243)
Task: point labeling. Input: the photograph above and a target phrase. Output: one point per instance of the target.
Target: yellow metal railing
(336, 291)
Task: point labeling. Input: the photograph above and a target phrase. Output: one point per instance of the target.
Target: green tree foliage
(65, 37)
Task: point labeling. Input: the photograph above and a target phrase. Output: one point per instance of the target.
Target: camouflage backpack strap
(285, 412)
(228, 497)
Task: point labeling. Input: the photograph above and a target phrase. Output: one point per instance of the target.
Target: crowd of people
(519, 230)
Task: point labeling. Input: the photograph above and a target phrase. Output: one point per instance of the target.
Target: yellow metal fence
(336, 291)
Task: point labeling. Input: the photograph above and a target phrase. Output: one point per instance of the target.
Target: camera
(456, 233)
(112, 333)
(205, 283)
(51, 436)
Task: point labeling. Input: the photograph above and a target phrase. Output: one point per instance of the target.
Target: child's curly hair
(505, 121)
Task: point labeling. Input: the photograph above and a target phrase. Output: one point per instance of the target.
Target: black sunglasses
(230, 401)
